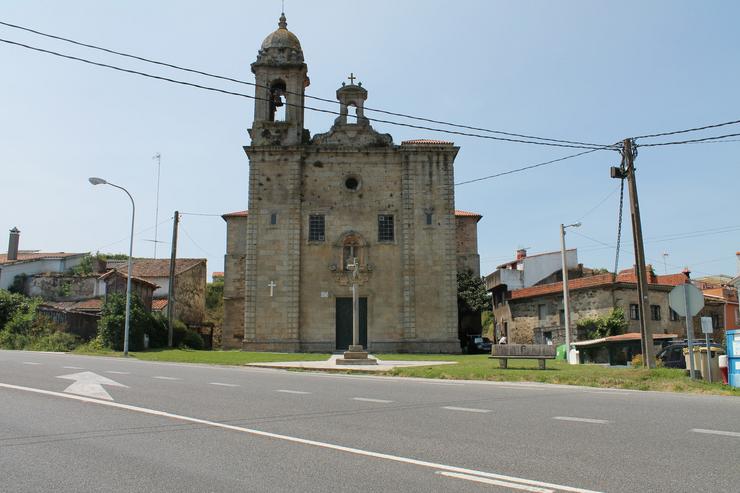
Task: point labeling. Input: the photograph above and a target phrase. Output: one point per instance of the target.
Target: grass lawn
(212, 357)
(479, 367)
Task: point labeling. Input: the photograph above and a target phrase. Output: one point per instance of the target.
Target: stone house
(190, 285)
(318, 203)
(535, 314)
(26, 263)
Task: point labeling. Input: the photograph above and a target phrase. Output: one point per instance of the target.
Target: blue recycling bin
(733, 357)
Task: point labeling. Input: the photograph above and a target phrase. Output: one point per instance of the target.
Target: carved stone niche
(350, 245)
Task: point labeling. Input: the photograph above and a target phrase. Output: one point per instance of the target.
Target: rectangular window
(655, 312)
(429, 218)
(715, 321)
(316, 226)
(673, 315)
(562, 318)
(542, 312)
(273, 218)
(385, 227)
(634, 312)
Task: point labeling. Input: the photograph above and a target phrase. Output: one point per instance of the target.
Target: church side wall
(432, 266)
(273, 254)
(234, 282)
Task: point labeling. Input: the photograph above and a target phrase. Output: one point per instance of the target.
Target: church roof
(280, 40)
(229, 215)
(459, 213)
(429, 142)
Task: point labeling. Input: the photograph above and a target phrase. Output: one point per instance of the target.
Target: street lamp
(566, 301)
(99, 181)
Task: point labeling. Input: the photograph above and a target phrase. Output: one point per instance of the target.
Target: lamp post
(100, 181)
(566, 300)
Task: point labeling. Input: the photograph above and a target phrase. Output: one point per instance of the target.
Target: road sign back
(683, 293)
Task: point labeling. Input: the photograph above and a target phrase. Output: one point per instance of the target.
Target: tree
(112, 323)
(600, 326)
(471, 293)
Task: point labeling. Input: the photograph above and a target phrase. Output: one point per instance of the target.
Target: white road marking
(90, 384)
(367, 399)
(581, 420)
(167, 378)
(72, 368)
(495, 482)
(303, 441)
(30, 363)
(118, 372)
(223, 384)
(466, 409)
(292, 391)
(717, 432)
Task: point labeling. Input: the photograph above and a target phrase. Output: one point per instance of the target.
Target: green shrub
(111, 326)
(604, 325)
(56, 341)
(11, 303)
(10, 340)
(192, 339)
(157, 331)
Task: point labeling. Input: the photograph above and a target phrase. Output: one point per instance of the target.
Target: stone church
(317, 203)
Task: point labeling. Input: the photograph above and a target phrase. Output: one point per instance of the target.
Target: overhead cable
(333, 101)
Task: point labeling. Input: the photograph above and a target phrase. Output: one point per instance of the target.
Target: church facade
(317, 204)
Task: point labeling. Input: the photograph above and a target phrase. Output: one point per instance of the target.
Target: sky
(576, 70)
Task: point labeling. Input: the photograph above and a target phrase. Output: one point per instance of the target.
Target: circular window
(352, 183)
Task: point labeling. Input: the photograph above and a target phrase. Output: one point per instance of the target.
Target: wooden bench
(505, 352)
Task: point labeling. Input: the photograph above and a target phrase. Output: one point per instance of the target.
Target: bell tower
(281, 77)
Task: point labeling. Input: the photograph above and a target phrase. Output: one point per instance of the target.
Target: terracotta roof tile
(459, 213)
(159, 304)
(627, 276)
(150, 267)
(427, 142)
(236, 214)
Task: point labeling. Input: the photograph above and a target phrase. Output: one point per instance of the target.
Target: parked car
(672, 355)
(477, 344)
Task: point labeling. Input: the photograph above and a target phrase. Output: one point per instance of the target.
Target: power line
(692, 141)
(333, 101)
(137, 233)
(232, 93)
(199, 214)
(695, 129)
(601, 202)
(532, 166)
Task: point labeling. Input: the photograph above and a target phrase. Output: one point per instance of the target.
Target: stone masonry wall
(232, 330)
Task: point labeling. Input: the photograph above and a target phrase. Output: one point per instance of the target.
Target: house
(535, 314)
(190, 285)
(24, 263)
(720, 289)
(75, 302)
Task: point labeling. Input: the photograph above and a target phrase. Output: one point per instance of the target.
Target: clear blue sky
(582, 70)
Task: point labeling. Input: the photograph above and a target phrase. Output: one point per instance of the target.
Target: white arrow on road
(90, 384)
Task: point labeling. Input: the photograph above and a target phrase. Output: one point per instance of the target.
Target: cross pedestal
(355, 354)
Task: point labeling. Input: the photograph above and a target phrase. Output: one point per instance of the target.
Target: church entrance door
(344, 322)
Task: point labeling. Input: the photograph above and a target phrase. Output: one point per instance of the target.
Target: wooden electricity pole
(648, 351)
(171, 287)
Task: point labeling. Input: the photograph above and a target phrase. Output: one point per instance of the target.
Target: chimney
(521, 253)
(686, 272)
(13, 244)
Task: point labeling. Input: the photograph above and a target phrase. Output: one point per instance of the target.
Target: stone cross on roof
(351, 78)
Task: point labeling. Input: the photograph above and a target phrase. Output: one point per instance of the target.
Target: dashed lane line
(300, 392)
(716, 432)
(304, 441)
(167, 378)
(220, 384)
(73, 367)
(112, 372)
(368, 399)
(30, 363)
(581, 420)
(466, 409)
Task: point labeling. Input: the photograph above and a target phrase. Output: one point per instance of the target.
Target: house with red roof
(535, 314)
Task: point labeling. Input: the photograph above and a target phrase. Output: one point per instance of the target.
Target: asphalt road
(174, 427)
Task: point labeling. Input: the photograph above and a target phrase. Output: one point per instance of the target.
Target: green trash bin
(561, 352)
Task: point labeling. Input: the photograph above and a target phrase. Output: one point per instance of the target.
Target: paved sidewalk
(331, 364)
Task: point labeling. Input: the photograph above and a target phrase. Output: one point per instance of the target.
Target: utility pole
(171, 287)
(627, 171)
(566, 297)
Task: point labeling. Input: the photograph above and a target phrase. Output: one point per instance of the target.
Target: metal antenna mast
(158, 157)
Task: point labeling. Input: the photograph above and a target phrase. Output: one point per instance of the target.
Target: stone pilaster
(408, 247)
